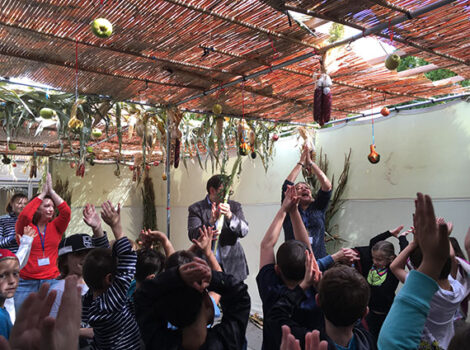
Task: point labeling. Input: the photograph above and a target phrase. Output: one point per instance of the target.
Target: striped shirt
(7, 232)
(112, 314)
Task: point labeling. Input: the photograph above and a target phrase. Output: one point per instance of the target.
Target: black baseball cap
(75, 243)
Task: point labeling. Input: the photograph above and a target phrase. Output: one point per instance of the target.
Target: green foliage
(336, 32)
(410, 62)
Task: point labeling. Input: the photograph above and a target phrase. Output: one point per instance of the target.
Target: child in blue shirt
(9, 279)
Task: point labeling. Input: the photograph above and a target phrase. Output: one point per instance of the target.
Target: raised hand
(50, 187)
(196, 274)
(109, 214)
(312, 341)
(91, 217)
(312, 271)
(30, 231)
(288, 341)
(214, 214)
(291, 200)
(346, 256)
(204, 240)
(432, 239)
(396, 231)
(441, 221)
(35, 329)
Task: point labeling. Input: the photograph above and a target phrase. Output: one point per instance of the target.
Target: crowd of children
(119, 298)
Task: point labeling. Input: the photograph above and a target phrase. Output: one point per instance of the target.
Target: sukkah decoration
(322, 99)
(337, 200)
(102, 28)
(174, 118)
(148, 201)
(243, 131)
(373, 156)
(63, 190)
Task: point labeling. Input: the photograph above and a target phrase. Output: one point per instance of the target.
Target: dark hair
(216, 181)
(290, 258)
(149, 262)
(63, 265)
(36, 215)
(181, 306)
(98, 263)
(386, 247)
(456, 246)
(178, 258)
(416, 257)
(343, 295)
(461, 340)
(9, 208)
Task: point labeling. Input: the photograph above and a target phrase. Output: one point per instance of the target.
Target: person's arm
(235, 302)
(399, 263)
(325, 183)
(62, 221)
(7, 232)
(204, 243)
(298, 167)
(93, 220)
(234, 219)
(195, 221)
(405, 321)
(115, 297)
(26, 242)
(156, 236)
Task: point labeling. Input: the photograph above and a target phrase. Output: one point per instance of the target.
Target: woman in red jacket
(42, 263)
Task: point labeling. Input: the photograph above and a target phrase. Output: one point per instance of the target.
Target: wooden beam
(417, 70)
(448, 81)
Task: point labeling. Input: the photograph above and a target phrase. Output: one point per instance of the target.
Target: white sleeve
(23, 251)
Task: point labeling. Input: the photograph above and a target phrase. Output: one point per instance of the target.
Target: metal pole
(250, 76)
(168, 177)
(399, 108)
(385, 25)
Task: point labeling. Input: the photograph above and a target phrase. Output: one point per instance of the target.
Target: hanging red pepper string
(76, 69)
(371, 108)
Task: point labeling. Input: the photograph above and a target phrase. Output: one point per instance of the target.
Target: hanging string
(243, 100)
(76, 69)
(390, 31)
(276, 54)
(371, 109)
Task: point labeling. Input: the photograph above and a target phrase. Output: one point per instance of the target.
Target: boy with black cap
(9, 279)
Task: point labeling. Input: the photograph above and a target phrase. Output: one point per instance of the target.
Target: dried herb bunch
(62, 189)
(148, 200)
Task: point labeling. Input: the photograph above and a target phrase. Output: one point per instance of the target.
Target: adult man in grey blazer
(230, 254)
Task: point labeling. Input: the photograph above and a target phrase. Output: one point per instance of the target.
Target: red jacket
(54, 232)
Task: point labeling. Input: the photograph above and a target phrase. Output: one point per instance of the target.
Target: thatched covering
(157, 54)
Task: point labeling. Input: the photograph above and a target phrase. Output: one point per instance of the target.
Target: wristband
(303, 166)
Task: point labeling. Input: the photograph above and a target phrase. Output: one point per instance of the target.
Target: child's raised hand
(91, 217)
(312, 271)
(288, 341)
(432, 239)
(109, 214)
(291, 200)
(196, 274)
(30, 231)
(396, 231)
(204, 240)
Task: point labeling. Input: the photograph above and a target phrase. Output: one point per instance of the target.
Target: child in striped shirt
(108, 274)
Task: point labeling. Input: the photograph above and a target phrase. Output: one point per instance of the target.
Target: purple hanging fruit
(317, 104)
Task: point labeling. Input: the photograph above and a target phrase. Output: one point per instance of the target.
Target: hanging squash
(373, 156)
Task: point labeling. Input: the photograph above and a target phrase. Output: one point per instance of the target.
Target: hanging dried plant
(63, 190)
(148, 200)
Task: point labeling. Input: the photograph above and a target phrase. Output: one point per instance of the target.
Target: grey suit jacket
(231, 255)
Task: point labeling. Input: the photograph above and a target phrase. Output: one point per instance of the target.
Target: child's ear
(365, 312)
(277, 270)
(150, 277)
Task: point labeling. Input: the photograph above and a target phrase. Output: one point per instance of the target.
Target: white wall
(422, 150)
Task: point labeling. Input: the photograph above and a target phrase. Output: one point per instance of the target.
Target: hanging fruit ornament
(392, 62)
(13, 164)
(47, 113)
(72, 165)
(385, 111)
(89, 149)
(275, 137)
(80, 170)
(253, 154)
(75, 125)
(322, 100)
(96, 133)
(243, 129)
(373, 156)
(12, 147)
(102, 28)
(164, 177)
(217, 109)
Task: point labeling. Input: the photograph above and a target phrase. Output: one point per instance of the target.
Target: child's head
(99, 268)
(179, 257)
(72, 252)
(290, 260)
(16, 204)
(9, 274)
(149, 263)
(383, 254)
(343, 295)
(416, 257)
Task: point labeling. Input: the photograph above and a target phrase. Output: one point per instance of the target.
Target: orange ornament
(385, 111)
(373, 156)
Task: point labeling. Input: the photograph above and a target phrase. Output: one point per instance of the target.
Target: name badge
(43, 262)
(311, 240)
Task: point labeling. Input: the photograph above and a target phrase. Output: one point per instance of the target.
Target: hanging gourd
(102, 28)
(244, 147)
(322, 100)
(373, 156)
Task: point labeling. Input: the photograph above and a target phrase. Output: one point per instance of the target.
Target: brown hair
(9, 208)
(386, 247)
(343, 295)
(36, 215)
